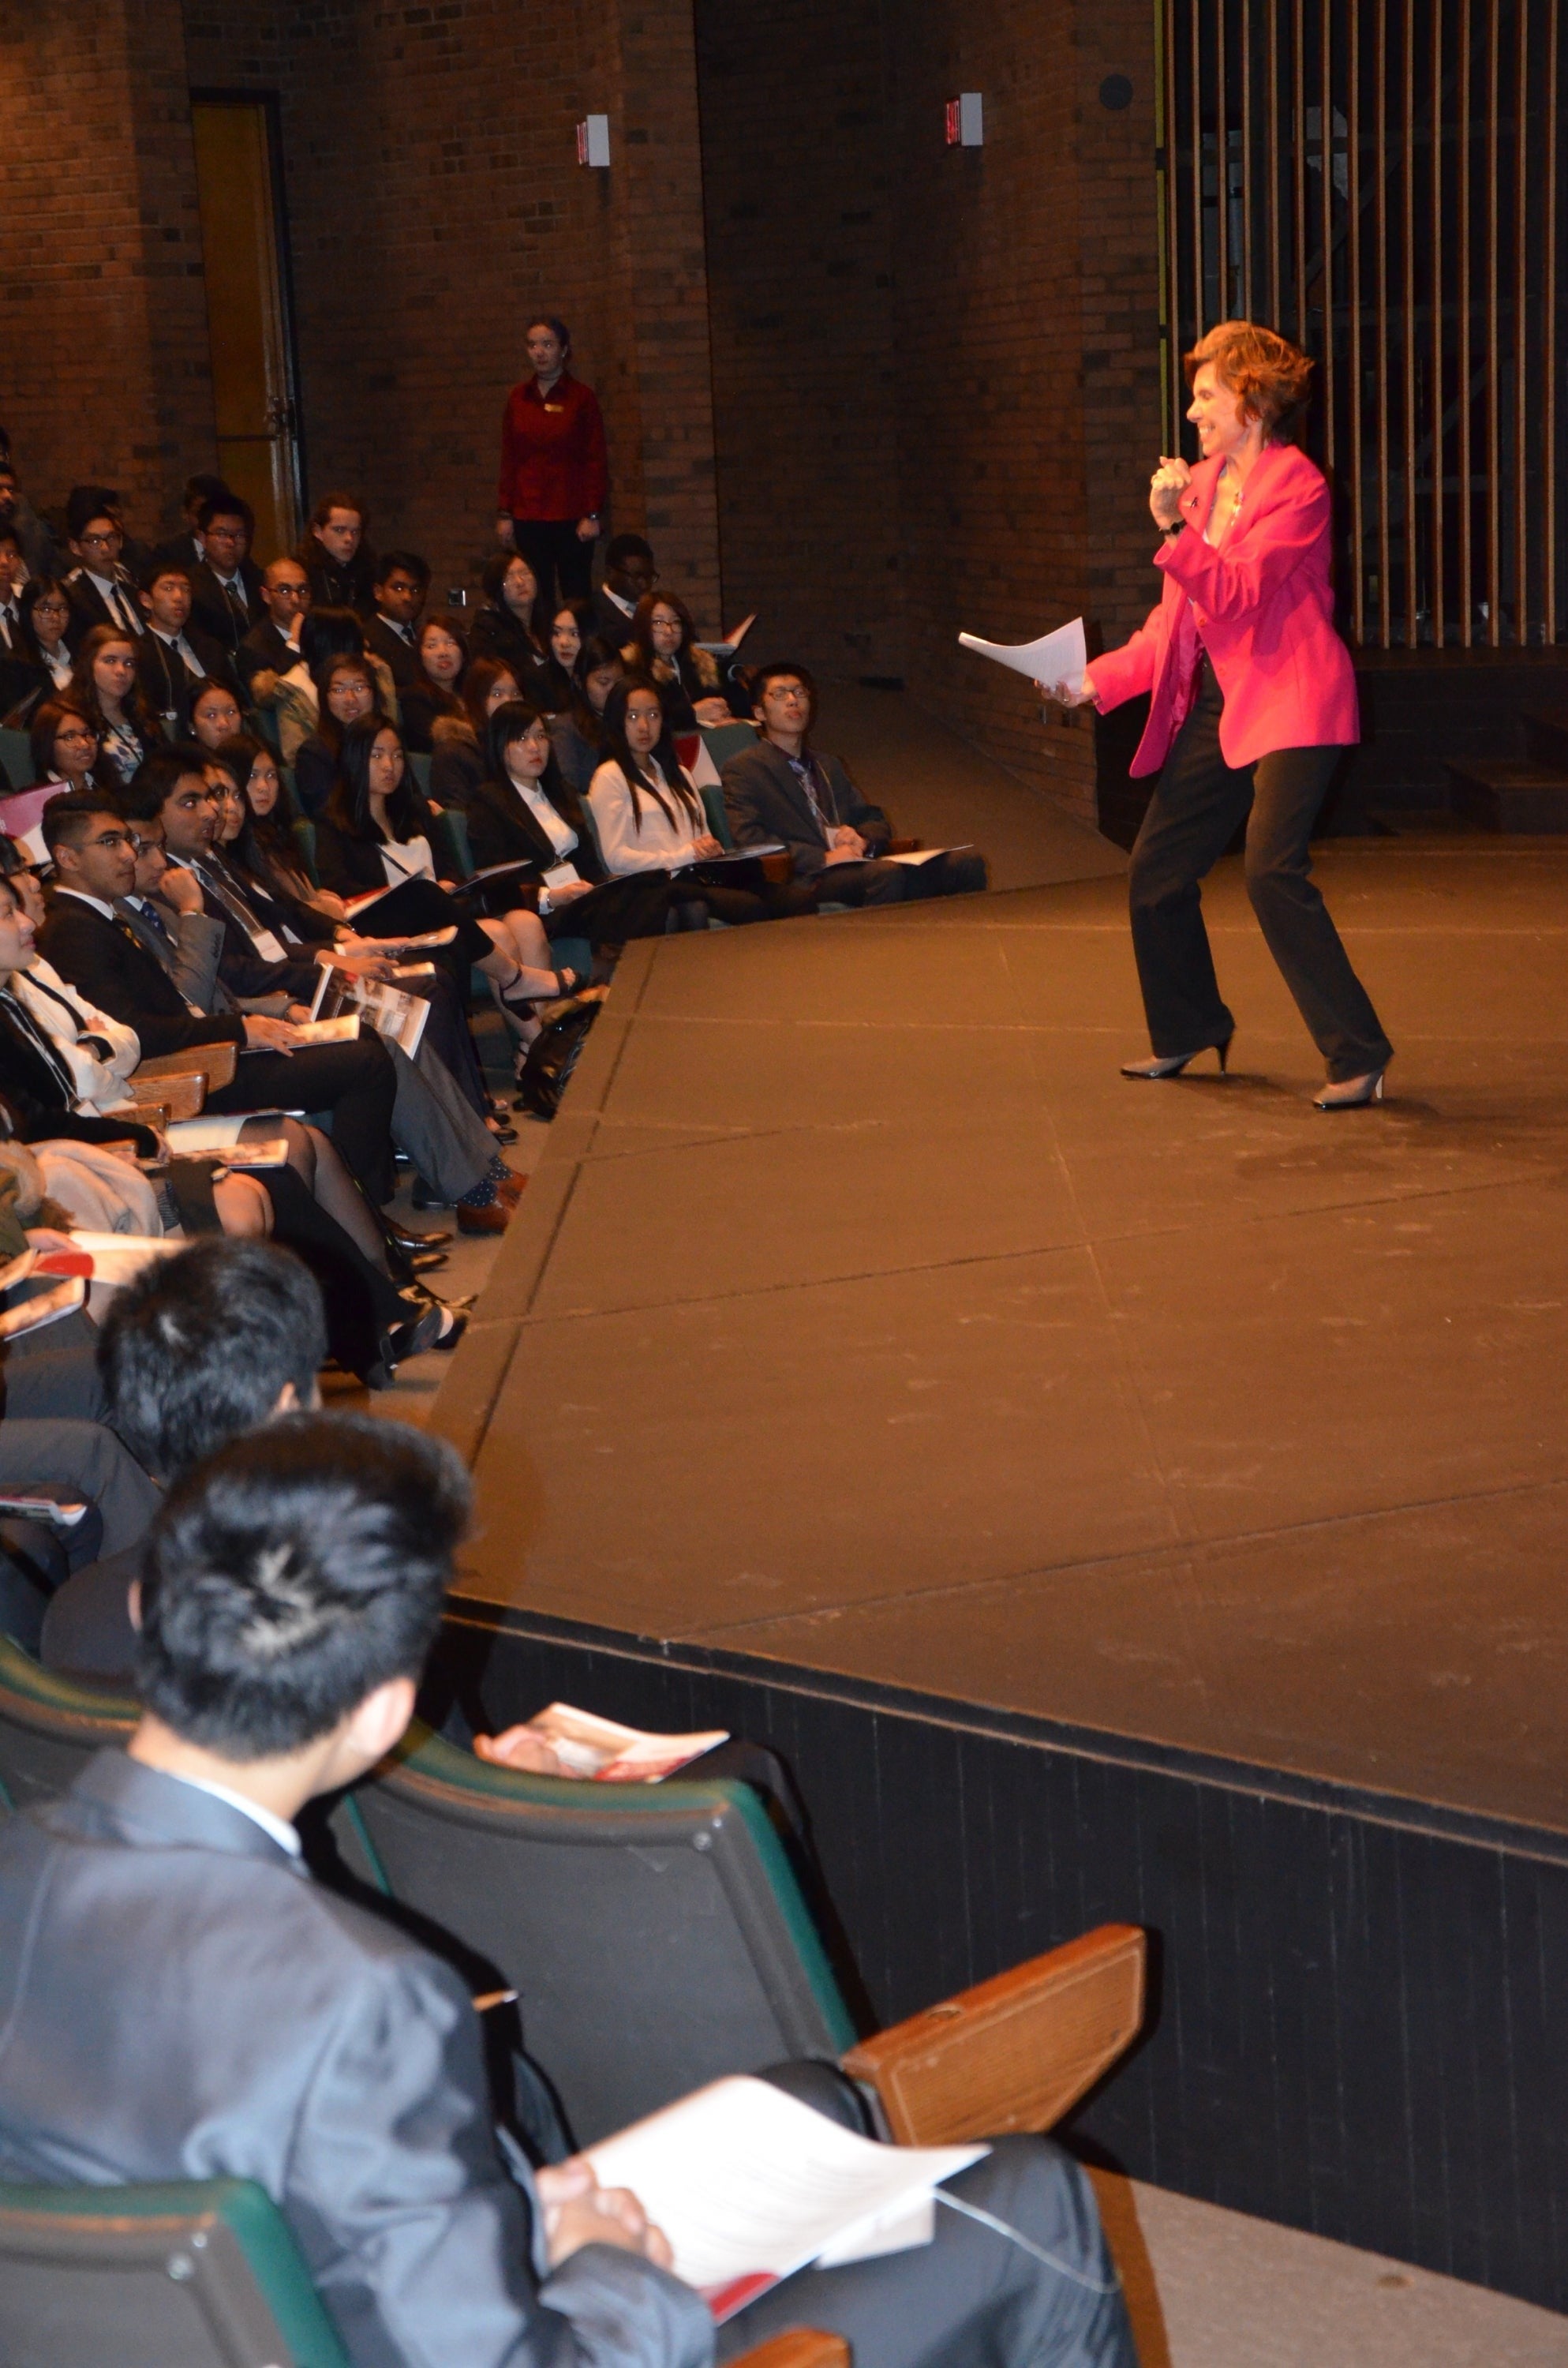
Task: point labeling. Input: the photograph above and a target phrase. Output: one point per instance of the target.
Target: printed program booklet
(750, 2185)
(599, 1750)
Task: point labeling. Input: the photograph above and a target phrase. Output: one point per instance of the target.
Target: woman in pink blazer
(1252, 700)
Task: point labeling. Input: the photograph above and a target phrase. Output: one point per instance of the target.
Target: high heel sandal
(567, 983)
(1355, 1093)
(1153, 1068)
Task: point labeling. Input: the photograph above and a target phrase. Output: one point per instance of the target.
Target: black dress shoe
(427, 1261)
(407, 1237)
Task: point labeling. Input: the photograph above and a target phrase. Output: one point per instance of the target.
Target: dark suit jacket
(380, 638)
(114, 970)
(88, 607)
(263, 651)
(333, 587)
(210, 609)
(249, 975)
(181, 2001)
(166, 682)
(764, 801)
(502, 830)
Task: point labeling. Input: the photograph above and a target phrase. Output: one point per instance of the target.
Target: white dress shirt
(556, 828)
(649, 842)
(283, 1834)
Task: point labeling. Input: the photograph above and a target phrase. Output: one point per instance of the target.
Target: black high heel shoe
(1156, 1067)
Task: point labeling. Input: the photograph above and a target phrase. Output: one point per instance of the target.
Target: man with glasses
(225, 590)
(781, 789)
(630, 572)
(175, 658)
(100, 589)
(94, 947)
(272, 647)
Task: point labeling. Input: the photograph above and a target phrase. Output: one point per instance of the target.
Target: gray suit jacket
(763, 800)
(179, 2000)
(189, 953)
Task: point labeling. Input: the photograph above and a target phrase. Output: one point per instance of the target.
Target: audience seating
(726, 740)
(658, 1938)
(199, 2273)
(50, 1728)
(17, 756)
(303, 832)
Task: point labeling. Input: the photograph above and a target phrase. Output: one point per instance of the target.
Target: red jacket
(552, 452)
(1261, 606)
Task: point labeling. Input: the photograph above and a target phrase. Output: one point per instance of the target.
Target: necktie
(155, 921)
(120, 608)
(237, 611)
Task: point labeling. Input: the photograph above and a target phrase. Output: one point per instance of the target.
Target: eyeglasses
(101, 541)
(74, 735)
(112, 839)
(145, 845)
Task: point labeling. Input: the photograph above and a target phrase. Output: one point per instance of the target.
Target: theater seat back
(48, 1730)
(198, 2274)
(655, 1934)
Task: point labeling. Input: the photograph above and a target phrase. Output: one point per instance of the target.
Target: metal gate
(1384, 182)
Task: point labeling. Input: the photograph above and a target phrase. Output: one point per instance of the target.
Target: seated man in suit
(226, 587)
(781, 789)
(272, 648)
(94, 947)
(629, 571)
(175, 656)
(195, 1350)
(186, 549)
(403, 579)
(100, 587)
(181, 2001)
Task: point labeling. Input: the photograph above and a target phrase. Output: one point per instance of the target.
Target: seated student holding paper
(376, 830)
(662, 645)
(92, 946)
(524, 811)
(438, 1121)
(153, 1921)
(781, 789)
(649, 817)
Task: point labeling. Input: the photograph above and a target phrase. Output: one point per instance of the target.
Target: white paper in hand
(1057, 659)
(750, 2184)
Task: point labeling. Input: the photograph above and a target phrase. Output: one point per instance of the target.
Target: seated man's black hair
(411, 564)
(626, 546)
(200, 1346)
(157, 777)
(66, 819)
(290, 1574)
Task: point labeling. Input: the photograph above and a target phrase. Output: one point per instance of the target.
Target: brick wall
(934, 375)
(105, 372)
(434, 199)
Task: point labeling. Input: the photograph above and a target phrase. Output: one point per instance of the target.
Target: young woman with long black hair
(650, 818)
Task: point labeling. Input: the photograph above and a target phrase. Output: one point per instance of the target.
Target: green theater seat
(198, 2273)
(656, 1934)
(50, 1728)
(17, 756)
(723, 741)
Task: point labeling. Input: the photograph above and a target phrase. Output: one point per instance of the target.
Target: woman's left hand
(1166, 488)
(706, 846)
(712, 711)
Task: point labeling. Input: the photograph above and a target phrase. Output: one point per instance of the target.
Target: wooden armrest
(803, 2347)
(1011, 2054)
(181, 1094)
(216, 1062)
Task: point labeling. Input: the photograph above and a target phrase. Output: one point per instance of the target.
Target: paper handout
(749, 2185)
(597, 1749)
(1055, 658)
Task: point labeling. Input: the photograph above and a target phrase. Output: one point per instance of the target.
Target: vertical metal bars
(1383, 181)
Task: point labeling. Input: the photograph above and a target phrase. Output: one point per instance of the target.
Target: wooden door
(247, 322)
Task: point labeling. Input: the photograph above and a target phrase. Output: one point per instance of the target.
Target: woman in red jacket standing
(553, 477)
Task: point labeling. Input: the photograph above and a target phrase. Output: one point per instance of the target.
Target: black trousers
(976, 2296)
(562, 564)
(355, 1083)
(877, 881)
(1197, 805)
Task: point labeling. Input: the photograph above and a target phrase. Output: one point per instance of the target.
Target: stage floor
(860, 1317)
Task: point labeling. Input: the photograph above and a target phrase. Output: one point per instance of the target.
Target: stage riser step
(1511, 793)
(1546, 738)
(1357, 2004)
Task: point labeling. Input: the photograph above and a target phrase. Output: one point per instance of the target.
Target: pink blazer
(1261, 606)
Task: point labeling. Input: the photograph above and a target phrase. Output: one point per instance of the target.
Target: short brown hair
(1266, 373)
